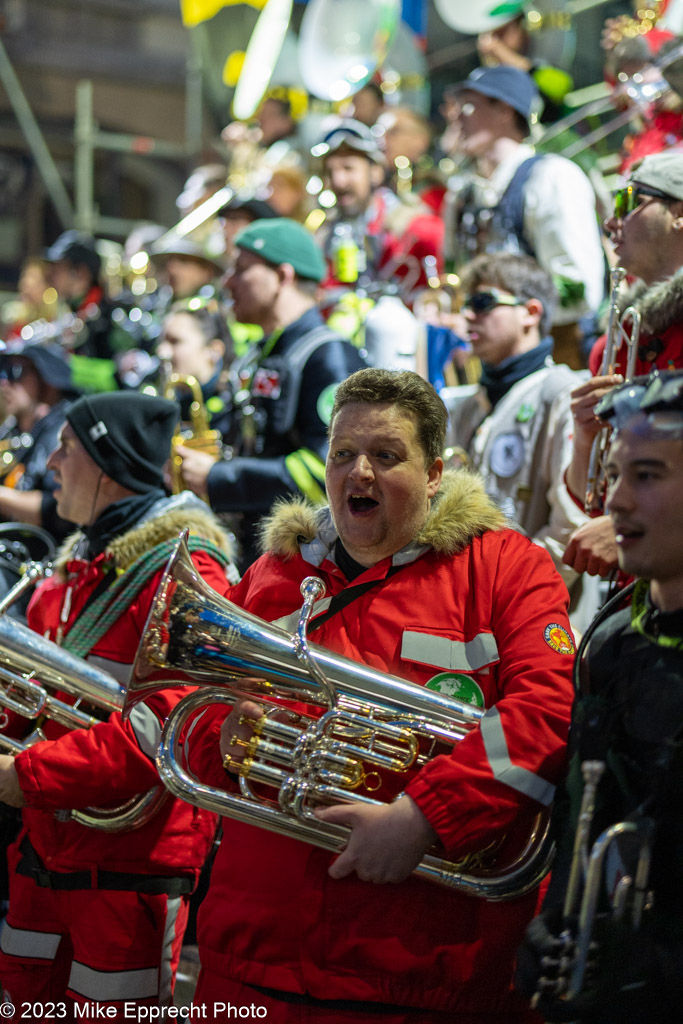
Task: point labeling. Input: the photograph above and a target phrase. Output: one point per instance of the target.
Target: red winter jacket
(113, 761)
(477, 609)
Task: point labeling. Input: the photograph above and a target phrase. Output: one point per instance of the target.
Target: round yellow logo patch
(558, 638)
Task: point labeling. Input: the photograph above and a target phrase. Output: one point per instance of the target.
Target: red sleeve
(516, 756)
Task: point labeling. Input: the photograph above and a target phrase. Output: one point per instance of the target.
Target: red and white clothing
(102, 920)
(475, 611)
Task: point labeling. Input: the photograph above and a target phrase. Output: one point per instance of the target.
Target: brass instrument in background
(617, 335)
(197, 434)
(369, 722)
(30, 665)
(12, 451)
(578, 942)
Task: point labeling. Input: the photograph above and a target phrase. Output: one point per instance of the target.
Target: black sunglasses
(484, 302)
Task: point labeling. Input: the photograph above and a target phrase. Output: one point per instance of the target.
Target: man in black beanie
(97, 917)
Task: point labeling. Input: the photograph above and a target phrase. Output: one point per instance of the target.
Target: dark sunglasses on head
(629, 198)
(484, 302)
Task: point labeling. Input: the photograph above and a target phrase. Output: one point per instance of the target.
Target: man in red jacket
(423, 581)
(97, 916)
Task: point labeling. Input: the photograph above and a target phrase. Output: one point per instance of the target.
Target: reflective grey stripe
(147, 729)
(165, 971)
(186, 745)
(109, 986)
(118, 669)
(429, 649)
(39, 945)
(503, 769)
(291, 621)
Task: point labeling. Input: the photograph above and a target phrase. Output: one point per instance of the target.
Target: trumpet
(571, 966)
(197, 435)
(617, 335)
(29, 666)
(371, 730)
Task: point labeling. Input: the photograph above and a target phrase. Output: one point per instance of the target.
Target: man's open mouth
(359, 503)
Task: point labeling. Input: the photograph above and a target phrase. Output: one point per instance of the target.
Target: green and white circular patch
(325, 403)
(455, 684)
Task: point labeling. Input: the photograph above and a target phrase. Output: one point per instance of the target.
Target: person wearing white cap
(646, 229)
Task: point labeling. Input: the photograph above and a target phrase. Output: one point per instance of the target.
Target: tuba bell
(369, 730)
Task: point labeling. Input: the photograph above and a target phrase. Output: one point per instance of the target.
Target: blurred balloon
(342, 42)
(475, 16)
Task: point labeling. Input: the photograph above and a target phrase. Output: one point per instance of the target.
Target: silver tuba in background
(30, 668)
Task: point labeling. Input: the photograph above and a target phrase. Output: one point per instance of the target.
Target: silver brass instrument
(577, 941)
(370, 721)
(29, 665)
(617, 335)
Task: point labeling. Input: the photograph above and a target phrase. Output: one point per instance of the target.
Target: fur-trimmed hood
(660, 304)
(460, 512)
(164, 521)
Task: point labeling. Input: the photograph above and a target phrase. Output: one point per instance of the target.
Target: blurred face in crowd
(254, 286)
(69, 281)
(646, 241)
(32, 284)
(504, 330)
(187, 275)
(275, 123)
(482, 122)
(377, 481)
(352, 178)
(185, 348)
(644, 499)
(21, 387)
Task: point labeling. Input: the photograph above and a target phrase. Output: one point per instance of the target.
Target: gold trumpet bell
(361, 730)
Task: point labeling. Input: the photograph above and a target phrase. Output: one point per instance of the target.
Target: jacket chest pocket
(461, 668)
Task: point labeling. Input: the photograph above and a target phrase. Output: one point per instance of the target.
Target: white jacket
(522, 449)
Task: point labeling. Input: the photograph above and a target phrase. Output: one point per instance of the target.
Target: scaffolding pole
(33, 135)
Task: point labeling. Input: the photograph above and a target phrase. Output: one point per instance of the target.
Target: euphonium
(369, 722)
(29, 664)
(617, 335)
(198, 435)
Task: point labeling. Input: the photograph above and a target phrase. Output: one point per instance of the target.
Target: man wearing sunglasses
(646, 229)
(516, 425)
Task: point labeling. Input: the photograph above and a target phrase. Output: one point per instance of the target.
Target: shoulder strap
(347, 595)
(108, 607)
(510, 209)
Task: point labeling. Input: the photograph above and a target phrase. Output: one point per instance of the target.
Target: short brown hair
(407, 390)
(515, 273)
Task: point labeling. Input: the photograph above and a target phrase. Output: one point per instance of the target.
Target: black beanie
(127, 434)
